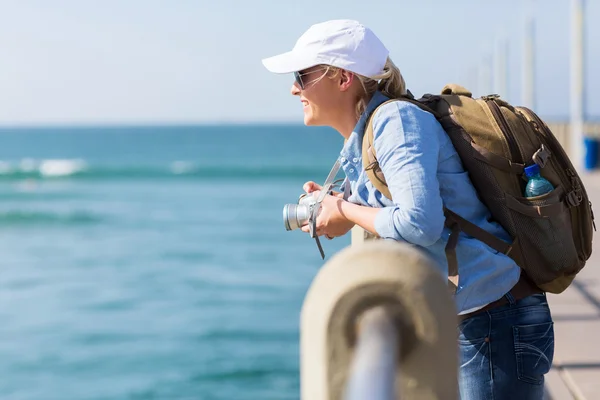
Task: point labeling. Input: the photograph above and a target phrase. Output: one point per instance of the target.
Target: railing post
(376, 312)
(372, 373)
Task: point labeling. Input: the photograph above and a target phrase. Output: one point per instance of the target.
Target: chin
(309, 120)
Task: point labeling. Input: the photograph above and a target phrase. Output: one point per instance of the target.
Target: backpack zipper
(505, 128)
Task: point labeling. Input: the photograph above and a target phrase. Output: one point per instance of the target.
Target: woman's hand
(331, 221)
(310, 187)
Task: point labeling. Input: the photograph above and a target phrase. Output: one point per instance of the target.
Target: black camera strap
(329, 182)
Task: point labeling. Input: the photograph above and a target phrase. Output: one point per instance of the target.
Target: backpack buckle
(491, 97)
(541, 156)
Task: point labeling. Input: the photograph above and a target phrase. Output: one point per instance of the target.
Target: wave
(26, 218)
(79, 169)
(236, 375)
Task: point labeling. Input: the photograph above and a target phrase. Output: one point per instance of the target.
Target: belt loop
(510, 298)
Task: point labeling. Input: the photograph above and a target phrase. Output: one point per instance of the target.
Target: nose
(295, 90)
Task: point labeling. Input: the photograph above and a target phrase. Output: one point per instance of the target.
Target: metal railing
(378, 322)
(372, 372)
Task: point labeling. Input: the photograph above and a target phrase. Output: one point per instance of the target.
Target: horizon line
(145, 124)
(182, 124)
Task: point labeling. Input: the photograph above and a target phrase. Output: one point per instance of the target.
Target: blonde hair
(390, 82)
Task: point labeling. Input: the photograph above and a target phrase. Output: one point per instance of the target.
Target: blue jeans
(505, 352)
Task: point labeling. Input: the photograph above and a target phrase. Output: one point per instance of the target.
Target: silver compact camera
(296, 215)
(306, 210)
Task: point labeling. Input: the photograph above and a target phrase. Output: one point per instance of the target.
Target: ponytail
(390, 82)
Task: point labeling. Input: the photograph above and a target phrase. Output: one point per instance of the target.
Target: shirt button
(355, 160)
(351, 170)
(343, 159)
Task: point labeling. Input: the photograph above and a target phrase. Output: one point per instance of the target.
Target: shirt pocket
(534, 351)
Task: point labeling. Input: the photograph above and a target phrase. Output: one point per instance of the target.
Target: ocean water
(152, 262)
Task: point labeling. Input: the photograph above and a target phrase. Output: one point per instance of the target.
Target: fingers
(320, 233)
(306, 229)
(311, 186)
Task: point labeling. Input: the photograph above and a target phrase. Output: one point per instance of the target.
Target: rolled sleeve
(407, 146)
(384, 224)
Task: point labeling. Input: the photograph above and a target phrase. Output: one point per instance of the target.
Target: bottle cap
(532, 170)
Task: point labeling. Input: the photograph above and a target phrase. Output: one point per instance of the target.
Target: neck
(348, 120)
(346, 126)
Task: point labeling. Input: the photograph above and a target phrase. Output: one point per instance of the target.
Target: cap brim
(287, 62)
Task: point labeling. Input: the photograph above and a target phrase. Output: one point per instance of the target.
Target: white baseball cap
(341, 43)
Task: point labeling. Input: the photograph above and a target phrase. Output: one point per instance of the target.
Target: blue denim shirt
(424, 173)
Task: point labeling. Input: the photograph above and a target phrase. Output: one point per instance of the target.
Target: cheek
(313, 103)
(320, 100)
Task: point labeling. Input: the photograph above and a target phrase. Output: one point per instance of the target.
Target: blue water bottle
(536, 184)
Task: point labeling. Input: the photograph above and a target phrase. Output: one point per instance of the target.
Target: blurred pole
(577, 86)
(528, 87)
(485, 84)
(469, 79)
(501, 68)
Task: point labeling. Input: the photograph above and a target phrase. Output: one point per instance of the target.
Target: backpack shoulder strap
(370, 163)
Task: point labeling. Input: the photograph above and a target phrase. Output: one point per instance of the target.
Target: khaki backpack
(552, 233)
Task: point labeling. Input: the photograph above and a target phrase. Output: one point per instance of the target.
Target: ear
(346, 79)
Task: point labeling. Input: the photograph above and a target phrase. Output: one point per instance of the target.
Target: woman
(342, 73)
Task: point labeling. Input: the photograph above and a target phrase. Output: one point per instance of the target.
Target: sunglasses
(299, 74)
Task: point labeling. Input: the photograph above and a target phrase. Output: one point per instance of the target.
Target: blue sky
(184, 61)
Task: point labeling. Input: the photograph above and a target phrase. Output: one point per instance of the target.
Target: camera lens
(294, 216)
(286, 215)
